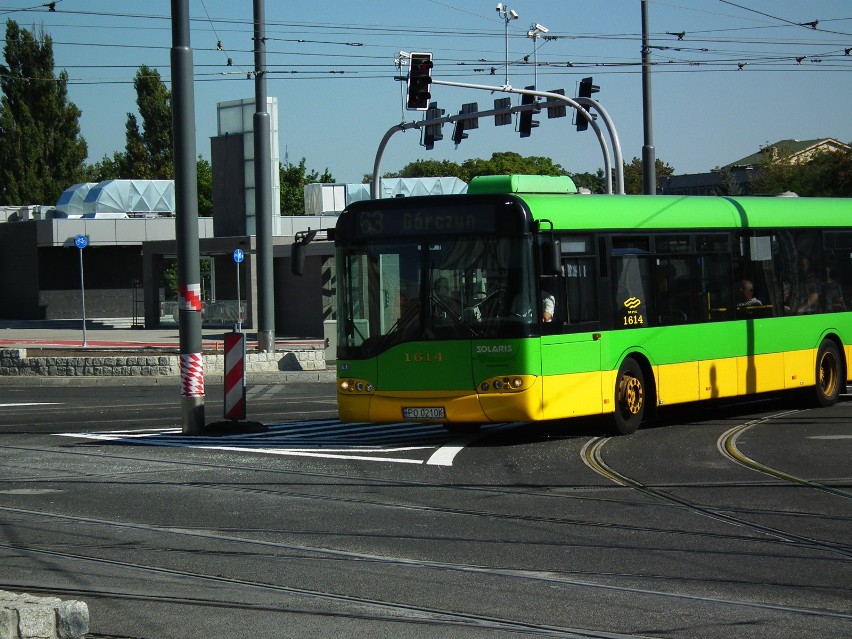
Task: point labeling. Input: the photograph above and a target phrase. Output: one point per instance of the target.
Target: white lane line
(445, 454)
(30, 404)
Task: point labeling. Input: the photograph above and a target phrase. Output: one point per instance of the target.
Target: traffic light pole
(553, 99)
(263, 190)
(186, 224)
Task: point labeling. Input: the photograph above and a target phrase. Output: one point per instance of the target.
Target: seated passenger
(747, 297)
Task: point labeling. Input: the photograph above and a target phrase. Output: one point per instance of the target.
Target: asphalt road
(719, 521)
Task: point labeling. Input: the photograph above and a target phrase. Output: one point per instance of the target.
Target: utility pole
(649, 161)
(186, 224)
(262, 192)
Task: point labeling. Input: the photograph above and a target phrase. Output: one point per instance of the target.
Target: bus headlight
(507, 383)
(351, 385)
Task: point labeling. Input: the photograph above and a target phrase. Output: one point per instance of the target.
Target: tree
(205, 187)
(501, 163)
(827, 174)
(148, 151)
(293, 178)
(510, 163)
(595, 182)
(634, 181)
(43, 151)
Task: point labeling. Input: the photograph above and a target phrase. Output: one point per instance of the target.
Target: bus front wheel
(829, 373)
(629, 397)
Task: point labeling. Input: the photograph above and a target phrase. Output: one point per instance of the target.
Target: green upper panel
(556, 199)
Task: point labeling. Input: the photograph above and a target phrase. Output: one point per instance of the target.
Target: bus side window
(717, 302)
(581, 304)
(632, 277)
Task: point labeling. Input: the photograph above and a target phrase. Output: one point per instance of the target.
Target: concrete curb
(25, 616)
(17, 367)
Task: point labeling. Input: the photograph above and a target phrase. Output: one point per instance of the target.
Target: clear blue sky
(332, 66)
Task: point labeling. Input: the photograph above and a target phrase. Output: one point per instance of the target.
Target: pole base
(192, 415)
(266, 341)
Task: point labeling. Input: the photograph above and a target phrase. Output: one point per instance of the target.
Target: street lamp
(536, 31)
(508, 15)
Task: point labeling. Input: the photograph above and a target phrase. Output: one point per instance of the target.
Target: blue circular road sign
(239, 256)
(81, 241)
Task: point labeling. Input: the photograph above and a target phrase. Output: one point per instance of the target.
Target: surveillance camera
(513, 14)
(499, 7)
(541, 28)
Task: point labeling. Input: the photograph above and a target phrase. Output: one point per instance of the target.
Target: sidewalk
(118, 335)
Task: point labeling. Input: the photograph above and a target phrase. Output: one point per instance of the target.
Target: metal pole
(186, 223)
(649, 161)
(239, 301)
(83, 298)
(263, 186)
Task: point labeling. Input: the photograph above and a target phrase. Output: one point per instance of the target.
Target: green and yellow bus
(525, 300)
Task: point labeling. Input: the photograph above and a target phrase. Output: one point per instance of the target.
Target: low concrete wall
(16, 362)
(24, 616)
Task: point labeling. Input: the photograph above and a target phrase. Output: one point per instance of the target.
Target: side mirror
(551, 257)
(297, 255)
(297, 258)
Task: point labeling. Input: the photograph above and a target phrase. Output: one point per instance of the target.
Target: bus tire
(630, 396)
(830, 375)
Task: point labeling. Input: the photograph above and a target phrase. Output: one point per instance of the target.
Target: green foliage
(634, 180)
(595, 182)
(502, 163)
(43, 151)
(293, 178)
(148, 150)
(205, 187)
(827, 174)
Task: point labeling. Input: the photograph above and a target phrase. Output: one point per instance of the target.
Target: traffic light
(526, 123)
(465, 125)
(502, 118)
(458, 132)
(419, 81)
(586, 91)
(558, 111)
(432, 132)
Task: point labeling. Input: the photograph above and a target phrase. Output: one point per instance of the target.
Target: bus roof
(589, 212)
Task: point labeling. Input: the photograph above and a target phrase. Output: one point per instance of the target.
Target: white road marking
(328, 439)
(445, 455)
(30, 404)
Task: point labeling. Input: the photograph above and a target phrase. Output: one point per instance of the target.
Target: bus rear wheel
(830, 375)
(629, 397)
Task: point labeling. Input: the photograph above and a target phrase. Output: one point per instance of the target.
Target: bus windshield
(444, 288)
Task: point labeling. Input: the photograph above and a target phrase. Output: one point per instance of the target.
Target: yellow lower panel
(353, 408)
(677, 383)
(717, 378)
(519, 406)
(572, 395)
(760, 373)
(458, 408)
(848, 363)
(799, 369)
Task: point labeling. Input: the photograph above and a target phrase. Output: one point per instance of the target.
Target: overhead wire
(689, 54)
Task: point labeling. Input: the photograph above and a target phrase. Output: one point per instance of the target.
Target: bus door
(570, 342)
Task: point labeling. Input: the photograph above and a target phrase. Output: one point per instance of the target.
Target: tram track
(385, 611)
(592, 456)
(727, 445)
(387, 504)
(545, 578)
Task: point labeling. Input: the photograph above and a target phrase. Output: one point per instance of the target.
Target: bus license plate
(436, 412)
